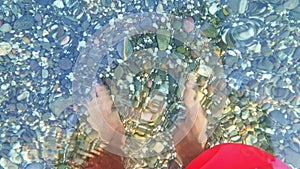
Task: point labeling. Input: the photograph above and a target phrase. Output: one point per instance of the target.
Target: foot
(101, 117)
(194, 141)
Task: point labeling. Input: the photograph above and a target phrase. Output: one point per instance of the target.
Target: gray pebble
(43, 2)
(65, 63)
(35, 165)
(23, 96)
(279, 92)
(292, 156)
(278, 117)
(291, 4)
(5, 28)
(25, 22)
(60, 105)
(45, 73)
(265, 65)
(21, 106)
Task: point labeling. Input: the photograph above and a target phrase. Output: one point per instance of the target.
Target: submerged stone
(163, 39)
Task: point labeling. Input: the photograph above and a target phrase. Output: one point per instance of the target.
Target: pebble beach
(251, 45)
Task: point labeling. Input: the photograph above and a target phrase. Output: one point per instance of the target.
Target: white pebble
(59, 4)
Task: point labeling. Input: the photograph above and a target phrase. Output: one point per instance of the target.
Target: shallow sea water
(52, 51)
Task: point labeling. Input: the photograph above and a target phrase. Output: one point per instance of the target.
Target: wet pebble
(280, 93)
(265, 65)
(65, 64)
(5, 28)
(72, 119)
(5, 48)
(292, 156)
(163, 39)
(65, 40)
(291, 4)
(23, 95)
(59, 105)
(34, 65)
(35, 165)
(125, 49)
(209, 30)
(43, 2)
(45, 73)
(278, 117)
(25, 22)
(188, 24)
(59, 4)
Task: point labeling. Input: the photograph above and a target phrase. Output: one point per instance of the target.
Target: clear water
(51, 51)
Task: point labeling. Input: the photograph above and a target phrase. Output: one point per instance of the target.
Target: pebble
(5, 163)
(291, 4)
(35, 165)
(59, 4)
(278, 117)
(5, 48)
(65, 40)
(59, 105)
(125, 49)
(292, 157)
(163, 38)
(45, 73)
(188, 25)
(265, 65)
(65, 64)
(23, 95)
(208, 30)
(160, 8)
(280, 93)
(5, 28)
(243, 6)
(25, 22)
(43, 2)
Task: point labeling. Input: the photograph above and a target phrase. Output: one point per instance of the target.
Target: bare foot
(194, 141)
(103, 119)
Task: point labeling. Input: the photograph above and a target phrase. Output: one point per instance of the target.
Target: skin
(108, 123)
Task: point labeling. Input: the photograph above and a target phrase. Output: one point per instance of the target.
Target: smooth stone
(59, 4)
(177, 24)
(35, 165)
(292, 157)
(265, 65)
(5, 48)
(65, 40)
(43, 2)
(25, 22)
(291, 4)
(118, 72)
(279, 92)
(72, 119)
(125, 49)
(233, 5)
(243, 6)
(21, 106)
(146, 23)
(23, 95)
(163, 38)
(65, 64)
(160, 8)
(45, 73)
(188, 25)
(34, 65)
(230, 60)
(208, 30)
(59, 105)
(278, 117)
(5, 28)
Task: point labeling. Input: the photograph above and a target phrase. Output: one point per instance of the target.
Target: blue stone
(35, 165)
